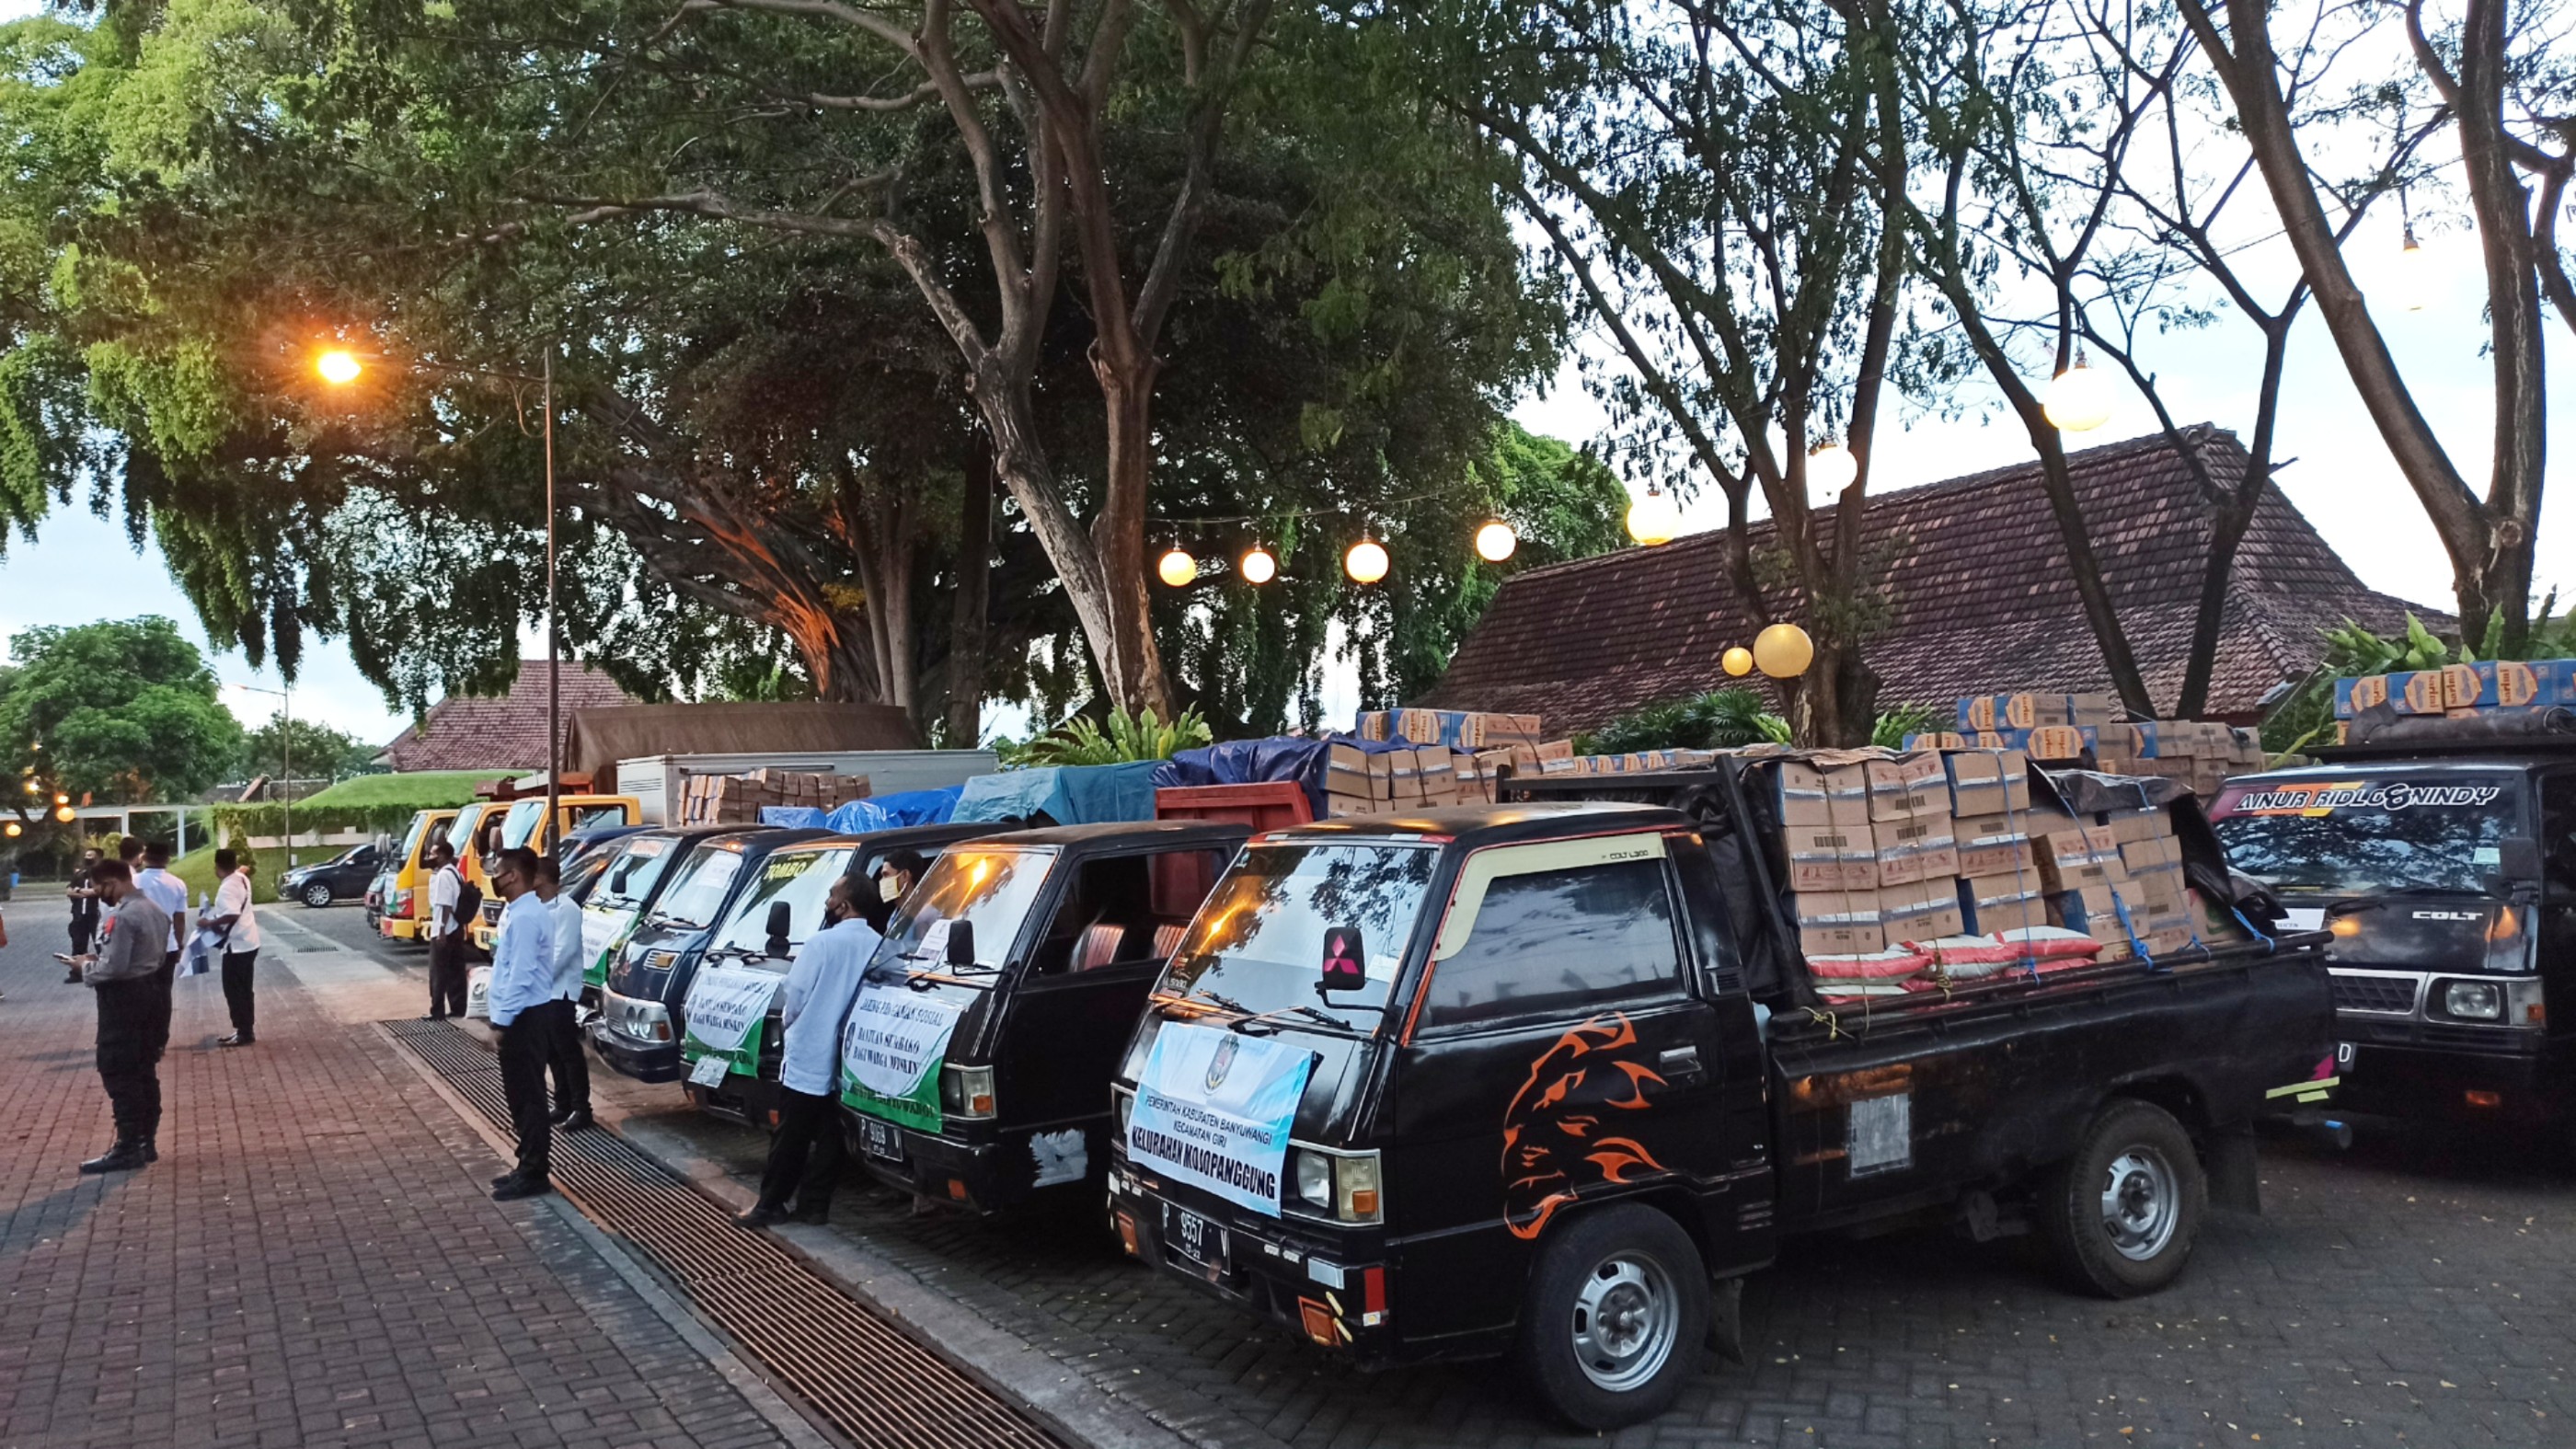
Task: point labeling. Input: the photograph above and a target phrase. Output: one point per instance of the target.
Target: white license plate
(880, 1139)
(709, 1072)
(1197, 1239)
(2303, 918)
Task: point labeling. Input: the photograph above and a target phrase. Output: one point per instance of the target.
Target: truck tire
(2120, 1215)
(1616, 1314)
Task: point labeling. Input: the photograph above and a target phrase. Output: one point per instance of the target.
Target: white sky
(81, 568)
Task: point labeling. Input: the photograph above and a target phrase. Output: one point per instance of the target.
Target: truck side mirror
(2518, 859)
(779, 920)
(961, 943)
(1343, 953)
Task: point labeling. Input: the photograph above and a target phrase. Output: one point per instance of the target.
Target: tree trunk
(1133, 665)
(2227, 527)
(2503, 208)
(964, 725)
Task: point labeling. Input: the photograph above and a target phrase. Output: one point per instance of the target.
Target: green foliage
(125, 711)
(405, 792)
(1141, 736)
(307, 751)
(1894, 724)
(1717, 720)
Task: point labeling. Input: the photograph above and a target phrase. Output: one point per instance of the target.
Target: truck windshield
(413, 836)
(521, 823)
(993, 890)
(2355, 834)
(801, 878)
(632, 873)
(460, 831)
(699, 892)
(1258, 943)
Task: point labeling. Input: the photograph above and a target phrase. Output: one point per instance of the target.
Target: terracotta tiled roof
(504, 733)
(1979, 594)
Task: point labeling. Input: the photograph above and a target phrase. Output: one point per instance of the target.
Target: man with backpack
(453, 900)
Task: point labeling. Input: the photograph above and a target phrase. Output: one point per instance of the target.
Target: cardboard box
(2059, 742)
(1919, 847)
(1908, 786)
(1438, 770)
(2093, 910)
(1937, 740)
(1977, 712)
(1987, 782)
(2007, 913)
(2093, 710)
(1554, 750)
(2128, 825)
(2158, 888)
(2553, 681)
(1813, 796)
(1828, 857)
(2031, 711)
(1848, 939)
(1346, 771)
(1404, 774)
(2153, 853)
(1338, 807)
(2418, 692)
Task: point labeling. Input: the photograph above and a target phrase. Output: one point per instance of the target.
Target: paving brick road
(2396, 1296)
(313, 1262)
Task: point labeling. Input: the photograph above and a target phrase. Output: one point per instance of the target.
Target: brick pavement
(313, 1262)
(2396, 1296)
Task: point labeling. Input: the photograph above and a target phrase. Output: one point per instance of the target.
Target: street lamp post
(286, 760)
(339, 367)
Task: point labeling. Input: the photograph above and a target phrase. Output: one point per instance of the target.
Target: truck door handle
(1679, 1064)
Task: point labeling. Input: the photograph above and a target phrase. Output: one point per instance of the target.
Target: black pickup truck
(2443, 866)
(1551, 1078)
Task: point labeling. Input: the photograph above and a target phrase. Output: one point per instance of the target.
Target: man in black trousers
(131, 1002)
(524, 1010)
(85, 910)
(446, 934)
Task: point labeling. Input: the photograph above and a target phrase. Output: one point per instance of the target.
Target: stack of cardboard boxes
(1418, 777)
(1947, 843)
(2462, 689)
(739, 799)
(1466, 730)
(2072, 729)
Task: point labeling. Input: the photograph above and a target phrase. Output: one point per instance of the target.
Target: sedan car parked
(343, 877)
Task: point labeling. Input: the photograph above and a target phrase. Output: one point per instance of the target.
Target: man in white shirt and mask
(446, 934)
(571, 1068)
(805, 1156)
(234, 919)
(524, 1006)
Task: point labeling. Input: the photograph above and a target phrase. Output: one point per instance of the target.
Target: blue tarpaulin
(883, 812)
(1067, 795)
(1254, 762)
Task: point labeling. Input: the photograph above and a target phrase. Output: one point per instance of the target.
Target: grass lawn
(197, 869)
(420, 790)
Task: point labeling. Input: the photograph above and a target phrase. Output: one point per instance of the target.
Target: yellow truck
(523, 822)
(404, 911)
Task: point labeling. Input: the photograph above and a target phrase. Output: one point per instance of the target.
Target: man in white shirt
(805, 1156)
(239, 924)
(171, 894)
(446, 935)
(571, 1068)
(524, 1006)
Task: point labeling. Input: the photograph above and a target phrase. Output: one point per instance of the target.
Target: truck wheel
(318, 894)
(2120, 1215)
(1616, 1314)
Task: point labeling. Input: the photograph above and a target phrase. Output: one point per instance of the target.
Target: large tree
(125, 711)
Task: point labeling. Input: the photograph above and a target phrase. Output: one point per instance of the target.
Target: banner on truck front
(727, 1008)
(601, 933)
(891, 1050)
(1214, 1109)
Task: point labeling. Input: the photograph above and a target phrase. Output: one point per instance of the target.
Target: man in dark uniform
(125, 975)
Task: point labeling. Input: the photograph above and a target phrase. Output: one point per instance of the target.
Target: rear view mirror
(1343, 953)
(961, 943)
(780, 919)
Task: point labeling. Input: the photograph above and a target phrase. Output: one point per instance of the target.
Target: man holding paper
(805, 1156)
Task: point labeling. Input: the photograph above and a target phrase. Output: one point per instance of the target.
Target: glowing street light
(1257, 566)
(338, 366)
(1831, 468)
(1495, 541)
(1655, 518)
(1783, 651)
(1177, 568)
(1366, 562)
(2080, 398)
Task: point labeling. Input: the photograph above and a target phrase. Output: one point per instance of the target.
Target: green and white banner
(891, 1050)
(602, 932)
(726, 1010)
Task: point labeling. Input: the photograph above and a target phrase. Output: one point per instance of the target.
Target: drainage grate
(867, 1379)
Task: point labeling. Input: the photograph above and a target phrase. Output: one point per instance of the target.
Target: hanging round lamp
(1783, 651)
(1366, 562)
(2080, 398)
(1495, 541)
(1257, 566)
(1655, 518)
(1831, 468)
(1738, 661)
(1177, 568)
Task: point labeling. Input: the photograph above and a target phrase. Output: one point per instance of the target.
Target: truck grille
(2375, 993)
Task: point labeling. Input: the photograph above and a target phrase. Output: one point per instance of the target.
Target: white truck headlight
(2473, 1001)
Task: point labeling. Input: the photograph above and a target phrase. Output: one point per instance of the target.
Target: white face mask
(889, 887)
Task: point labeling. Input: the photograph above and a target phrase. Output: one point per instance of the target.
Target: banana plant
(1143, 735)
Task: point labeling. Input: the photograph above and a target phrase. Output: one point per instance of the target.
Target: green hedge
(377, 803)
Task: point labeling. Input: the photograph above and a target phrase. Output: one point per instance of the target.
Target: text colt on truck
(1501, 1080)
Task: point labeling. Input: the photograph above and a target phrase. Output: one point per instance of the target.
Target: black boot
(152, 1147)
(761, 1215)
(125, 1156)
(576, 1120)
(522, 1184)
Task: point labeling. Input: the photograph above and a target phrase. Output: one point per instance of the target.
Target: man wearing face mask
(805, 1156)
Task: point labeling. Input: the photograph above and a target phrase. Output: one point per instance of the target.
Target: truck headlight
(966, 1091)
(1341, 1184)
(1315, 1178)
(2473, 1001)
